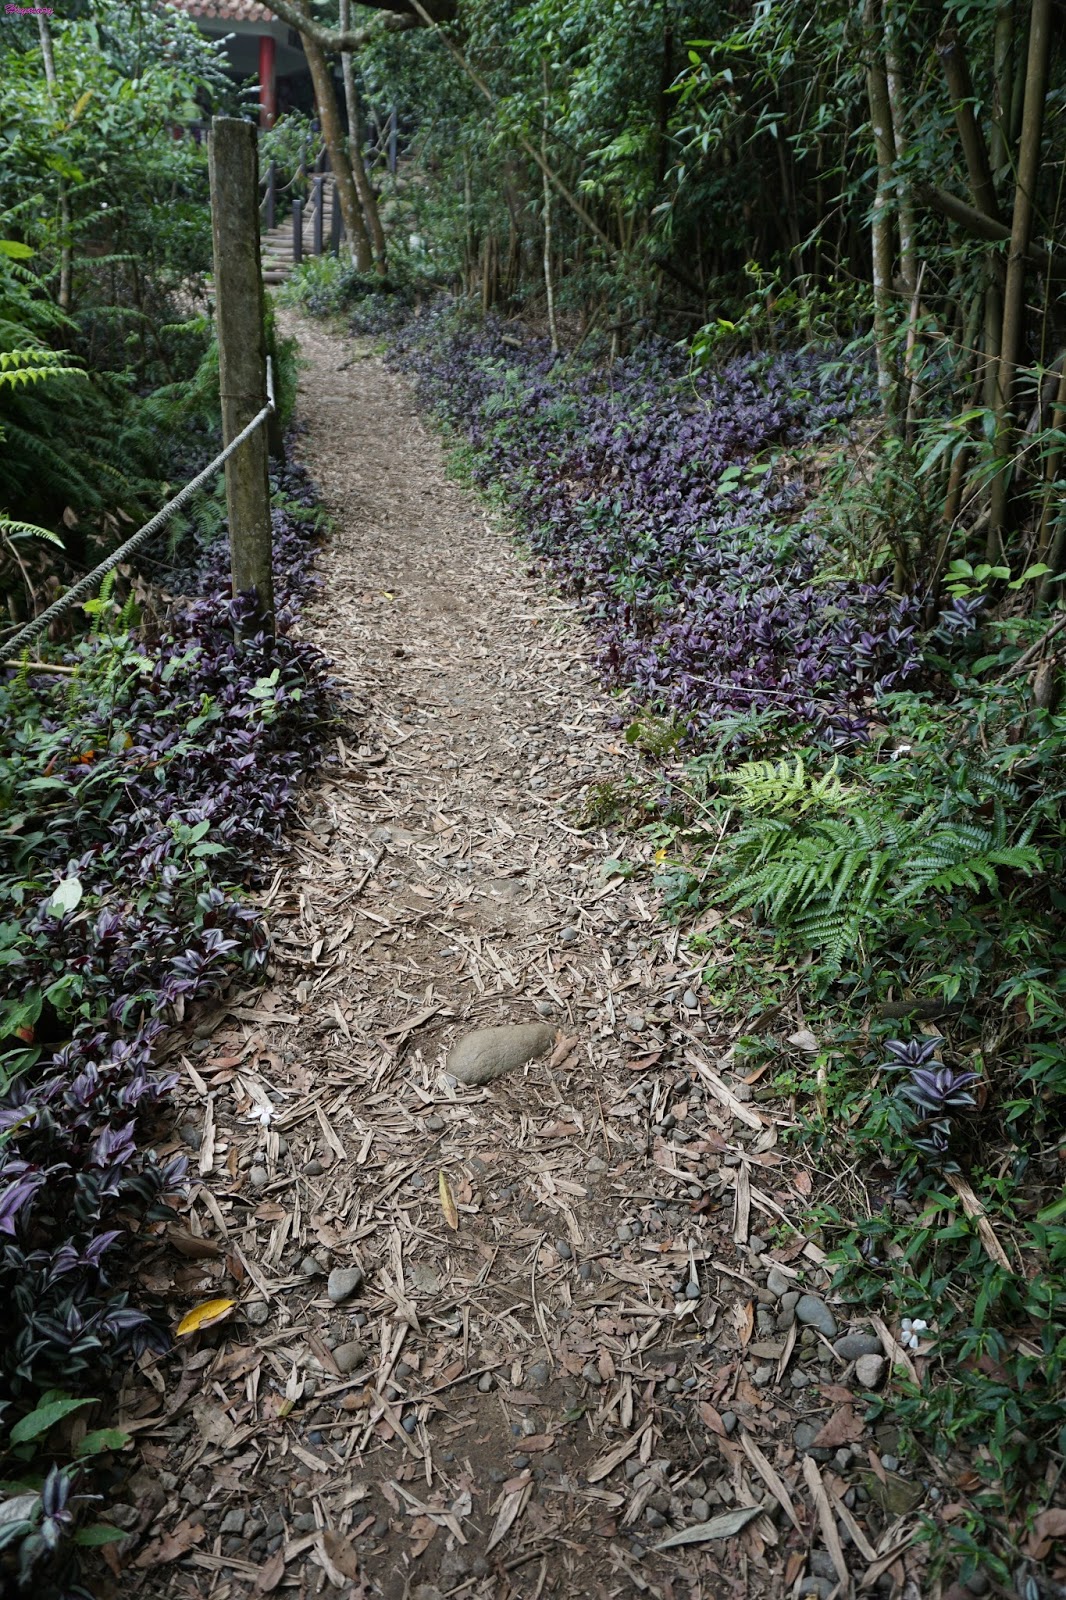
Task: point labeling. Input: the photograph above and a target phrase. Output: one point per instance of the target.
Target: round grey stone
(689, 1000)
(257, 1312)
(343, 1283)
(233, 1521)
(563, 1250)
(567, 935)
(485, 1382)
(634, 1022)
(870, 1371)
(538, 1374)
(778, 1282)
(814, 1313)
(489, 1053)
(313, 1168)
(700, 1510)
(259, 1177)
(729, 1421)
(854, 1345)
(545, 1008)
(821, 1587)
(349, 1355)
(434, 1123)
(311, 1267)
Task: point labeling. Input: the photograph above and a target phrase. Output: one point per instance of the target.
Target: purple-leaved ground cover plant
(131, 795)
(654, 495)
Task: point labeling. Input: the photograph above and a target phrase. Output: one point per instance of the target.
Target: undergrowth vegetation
(906, 895)
(149, 775)
(672, 502)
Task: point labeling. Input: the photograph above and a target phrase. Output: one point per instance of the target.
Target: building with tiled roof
(258, 45)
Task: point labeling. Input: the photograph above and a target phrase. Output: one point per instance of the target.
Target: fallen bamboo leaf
(510, 1507)
(270, 1574)
(192, 1245)
(606, 1464)
(771, 1479)
(172, 1545)
(843, 1427)
(1048, 1526)
(447, 1202)
(826, 1519)
(720, 1527)
(205, 1315)
(976, 1213)
(340, 1555)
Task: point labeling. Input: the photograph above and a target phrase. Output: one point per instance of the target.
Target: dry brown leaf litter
(497, 1341)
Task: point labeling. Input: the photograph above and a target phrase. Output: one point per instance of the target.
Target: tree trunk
(960, 86)
(332, 133)
(881, 229)
(1049, 540)
(549, 286)
(66, 243)
(908, 227)
(1003, 73)
(363, 185)
(1036, 78)
(982, 187)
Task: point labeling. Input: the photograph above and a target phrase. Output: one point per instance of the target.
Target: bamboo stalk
(1039, 59)
(881, 227)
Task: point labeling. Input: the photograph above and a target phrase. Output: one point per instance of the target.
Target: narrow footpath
(521, 1378)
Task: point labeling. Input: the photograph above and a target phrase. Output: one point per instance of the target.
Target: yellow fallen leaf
(447, 1202)
(205, 1315)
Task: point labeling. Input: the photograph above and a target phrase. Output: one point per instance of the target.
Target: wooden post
(233, 157)
(316, 235)
(270, 210)
(336, 224)
(297, 231)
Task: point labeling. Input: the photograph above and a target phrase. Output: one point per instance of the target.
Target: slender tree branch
(985, 227)
(394, 18)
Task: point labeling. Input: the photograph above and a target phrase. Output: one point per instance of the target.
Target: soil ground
(565, 1351)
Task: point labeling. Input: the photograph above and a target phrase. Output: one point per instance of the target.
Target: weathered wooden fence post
(271, 193)
(233, 163)
(336, 223)
(297, 231)
(316, 226)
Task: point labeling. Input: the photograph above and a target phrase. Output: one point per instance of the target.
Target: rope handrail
(85, 586)
(301, 172)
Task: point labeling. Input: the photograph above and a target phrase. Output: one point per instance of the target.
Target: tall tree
(333, 137)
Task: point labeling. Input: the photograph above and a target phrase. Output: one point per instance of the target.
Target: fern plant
(787, 788)
(826, 881)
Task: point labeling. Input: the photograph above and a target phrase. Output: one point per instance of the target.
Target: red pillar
(268, 102)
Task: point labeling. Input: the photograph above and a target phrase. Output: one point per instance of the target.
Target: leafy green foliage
(104, 226)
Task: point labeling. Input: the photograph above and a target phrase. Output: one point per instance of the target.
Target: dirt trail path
(526, 1404)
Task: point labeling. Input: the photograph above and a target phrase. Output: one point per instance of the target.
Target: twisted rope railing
(85, 586)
